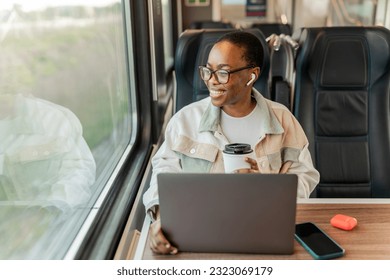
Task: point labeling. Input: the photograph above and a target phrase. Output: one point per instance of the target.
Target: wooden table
(370, 239)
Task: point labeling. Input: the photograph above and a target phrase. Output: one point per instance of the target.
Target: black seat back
(209, 24)
(273, 28)
(342, 103)
(192, 50)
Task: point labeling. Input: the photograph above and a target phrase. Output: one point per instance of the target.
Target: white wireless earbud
(253, 77)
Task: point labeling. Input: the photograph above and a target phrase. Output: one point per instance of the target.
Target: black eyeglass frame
(228, 72)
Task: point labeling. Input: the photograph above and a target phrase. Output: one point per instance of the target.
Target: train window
(65, 119)
(275, 11)
(349, 12)
(382, 17)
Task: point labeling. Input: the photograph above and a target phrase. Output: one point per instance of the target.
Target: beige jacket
(194, 142)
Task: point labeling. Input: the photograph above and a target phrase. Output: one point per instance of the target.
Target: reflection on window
(64, 118)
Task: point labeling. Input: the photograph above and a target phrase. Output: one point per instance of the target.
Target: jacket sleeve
(165, 160)
(308, 176)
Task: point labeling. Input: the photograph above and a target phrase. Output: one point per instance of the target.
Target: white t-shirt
(246, 129)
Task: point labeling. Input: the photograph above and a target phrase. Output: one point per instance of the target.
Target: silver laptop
(229, 213)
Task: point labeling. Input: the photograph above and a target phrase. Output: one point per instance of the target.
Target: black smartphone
(317, 242)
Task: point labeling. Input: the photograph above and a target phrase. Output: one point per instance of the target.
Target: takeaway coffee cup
(234, 156)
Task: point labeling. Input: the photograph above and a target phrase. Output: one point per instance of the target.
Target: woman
(234, 112)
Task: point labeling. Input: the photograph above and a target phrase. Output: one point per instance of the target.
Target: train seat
(273, 28)
(282, 57)
(209, 24)
(192, 50)
(342, 102)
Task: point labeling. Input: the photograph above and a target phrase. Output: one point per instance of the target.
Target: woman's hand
(158, 242)
(254, 168)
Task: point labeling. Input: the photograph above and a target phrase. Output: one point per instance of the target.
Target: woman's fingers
(158, 242)
(253, 163)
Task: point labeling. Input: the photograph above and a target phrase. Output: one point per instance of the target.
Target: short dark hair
(254, 53)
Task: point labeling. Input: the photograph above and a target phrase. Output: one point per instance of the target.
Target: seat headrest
(209, 24)
(346, 55)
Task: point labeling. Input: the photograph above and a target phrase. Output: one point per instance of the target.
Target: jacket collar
(211, 117)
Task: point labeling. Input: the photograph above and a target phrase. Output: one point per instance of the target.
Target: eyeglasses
(221, 74)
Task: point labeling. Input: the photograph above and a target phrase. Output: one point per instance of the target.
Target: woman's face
(235, 94)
